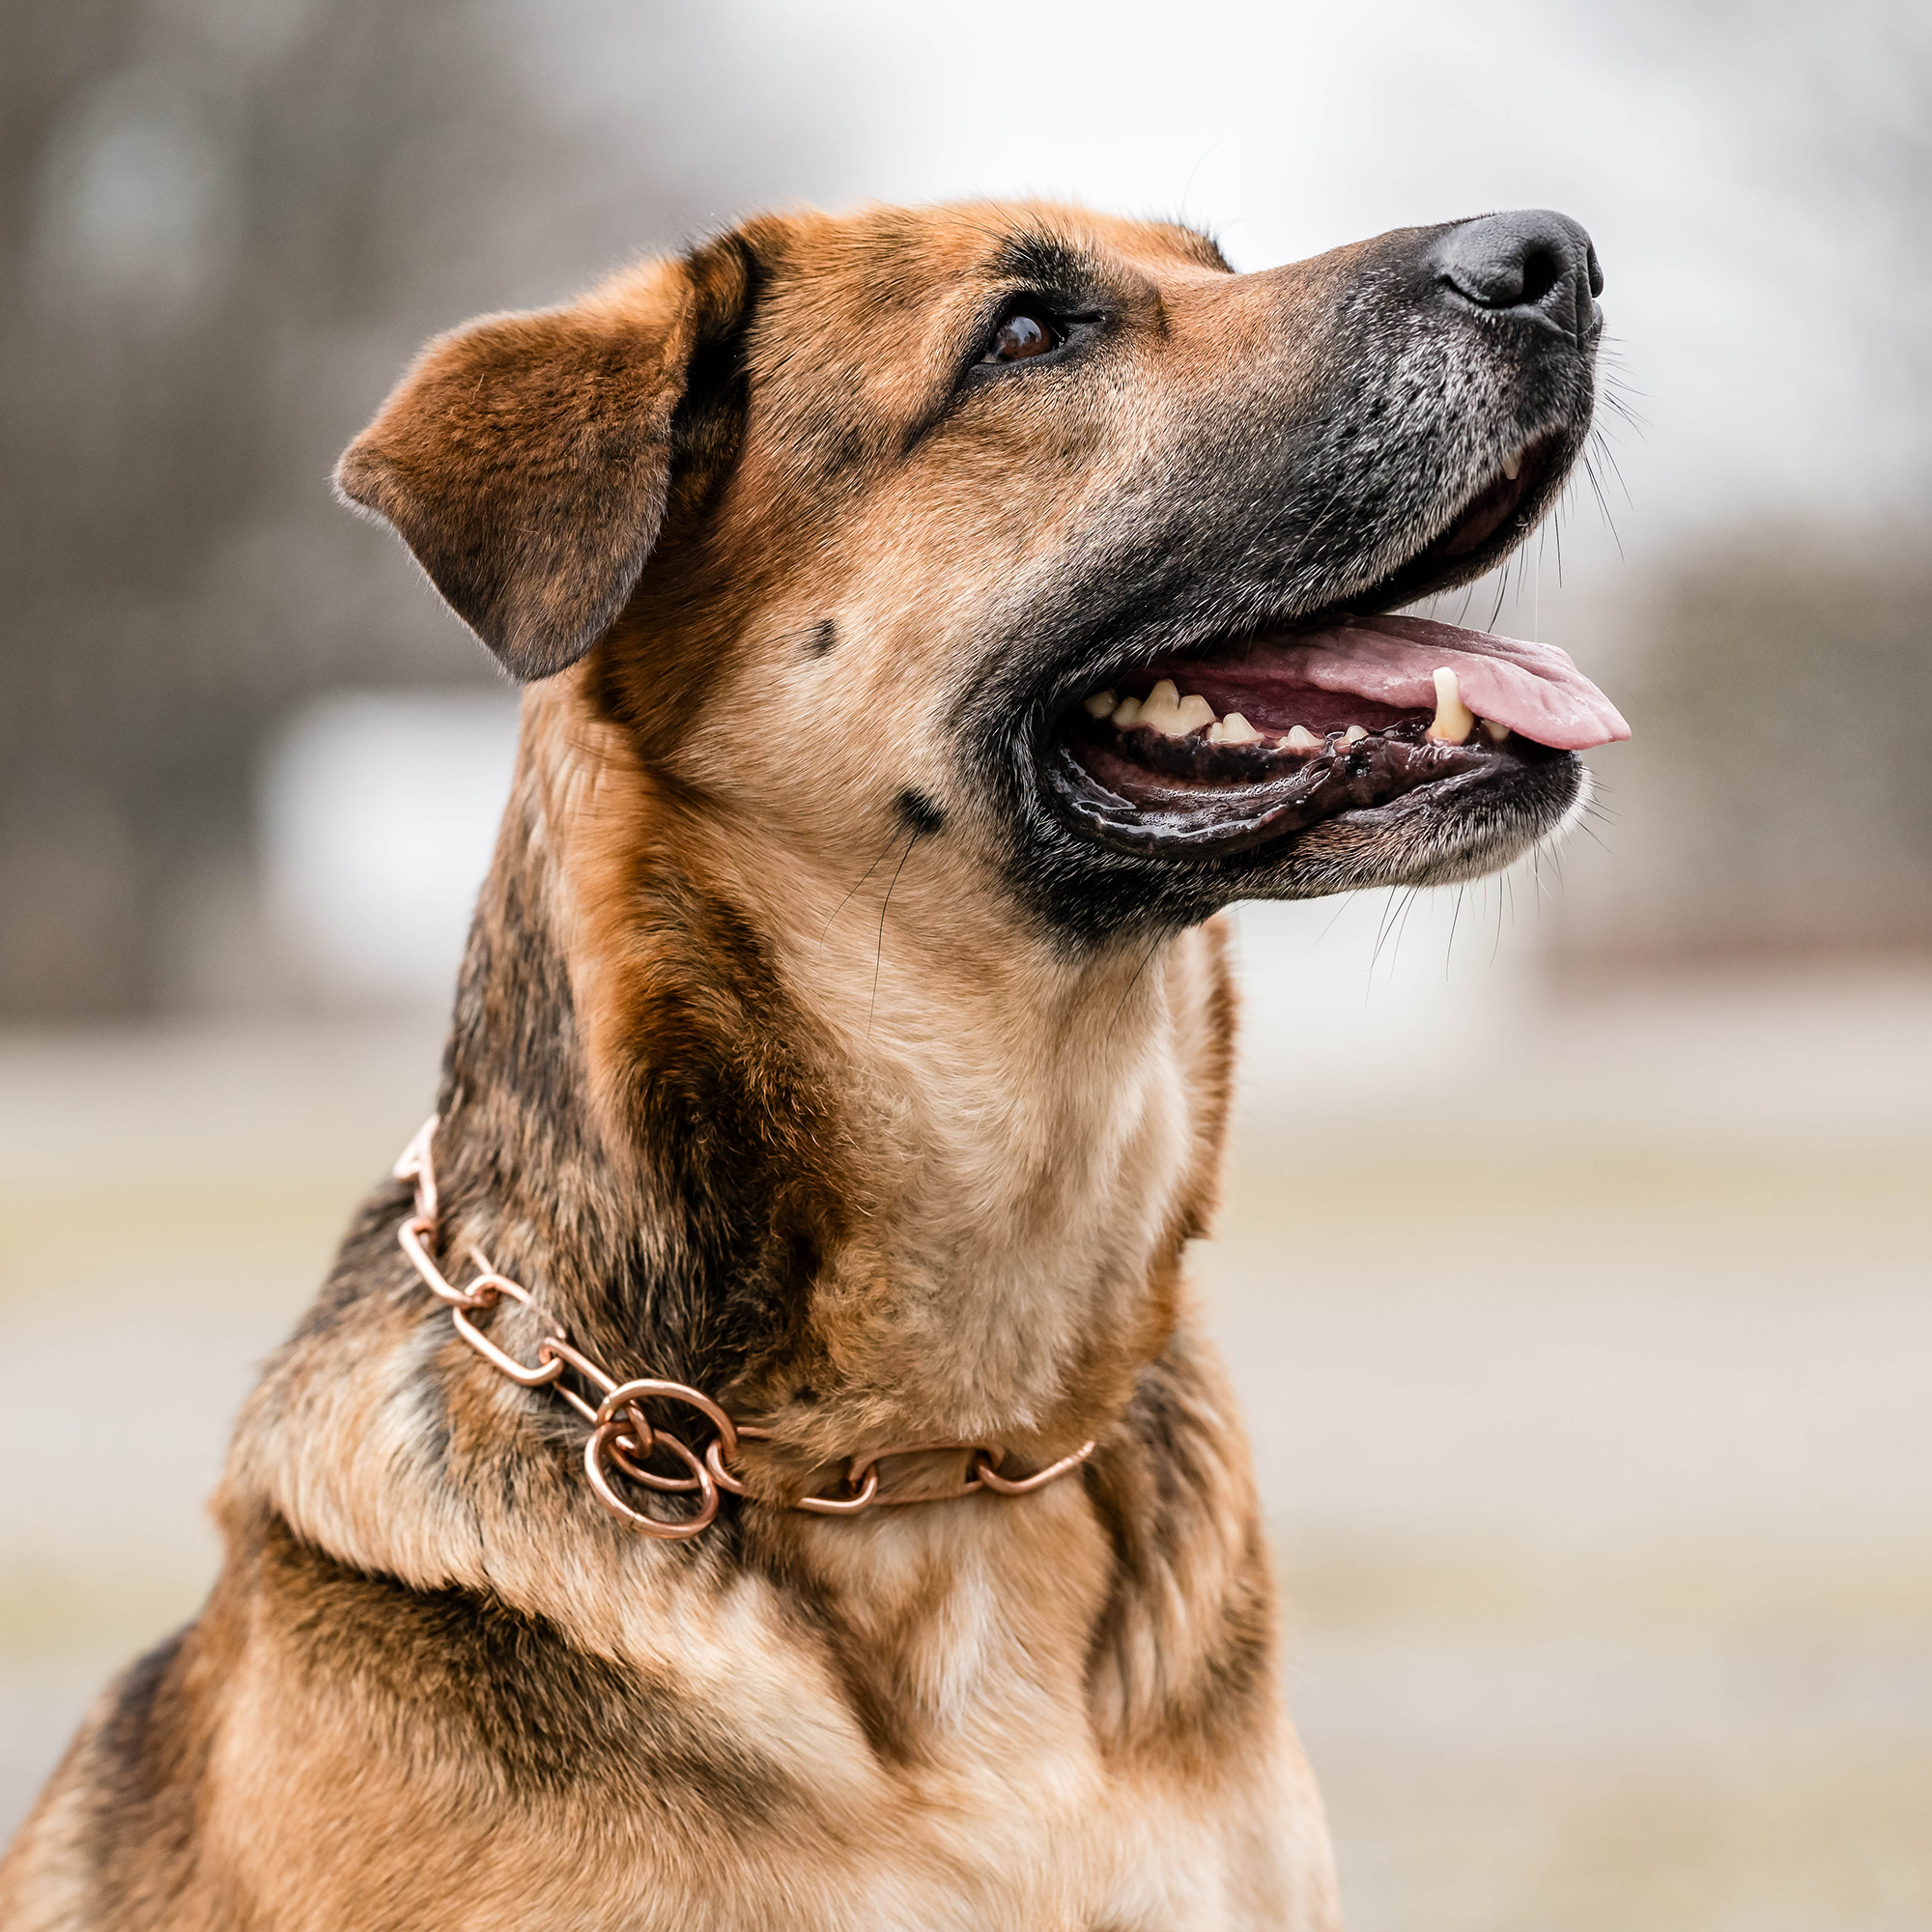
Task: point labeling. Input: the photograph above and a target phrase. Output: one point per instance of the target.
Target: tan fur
(436, 1685)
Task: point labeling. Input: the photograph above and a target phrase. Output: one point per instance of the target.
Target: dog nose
(1531, 262)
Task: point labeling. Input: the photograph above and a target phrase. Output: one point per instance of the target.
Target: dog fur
(801, 1055)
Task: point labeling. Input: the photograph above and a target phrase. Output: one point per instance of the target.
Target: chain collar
(621, 1441)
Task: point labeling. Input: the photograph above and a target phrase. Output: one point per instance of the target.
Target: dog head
(1042, 529)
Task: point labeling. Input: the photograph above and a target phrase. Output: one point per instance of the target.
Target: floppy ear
(526, 459)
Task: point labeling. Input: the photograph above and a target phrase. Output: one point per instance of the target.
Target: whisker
(1388, 912)
(1402, 925)
(859, 881)
(1138, 971)
(1346, 900)
(878, 958)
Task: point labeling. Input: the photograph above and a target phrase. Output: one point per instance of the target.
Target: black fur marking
(1047, 265)
(145, 1767)
(475, 1684)
(919, 813)
(122, 1740)
(824, 636)
(729, 280)
(1151, 1497)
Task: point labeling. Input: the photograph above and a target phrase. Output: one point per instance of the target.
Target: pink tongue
(1533, 689)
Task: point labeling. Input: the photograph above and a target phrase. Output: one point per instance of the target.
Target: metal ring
(625, 1455)
(414, 1164)
(1026, 1485)
(558, 1342)
(602, 1444)
(546, 1371)
(490, 1287)
(848, 1506)
(489, 1283)
(412, 1237)
(714, 1460)
(977, 1453)
(646, 1387)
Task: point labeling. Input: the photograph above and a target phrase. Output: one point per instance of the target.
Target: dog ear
(526, 459)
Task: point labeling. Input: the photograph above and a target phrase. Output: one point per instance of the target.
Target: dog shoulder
(110, 1842)
(1182, 1665)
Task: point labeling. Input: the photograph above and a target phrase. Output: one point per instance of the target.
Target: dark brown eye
(1025, 332)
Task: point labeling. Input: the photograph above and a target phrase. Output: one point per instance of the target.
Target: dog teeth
(1513, 465)
(1166, 711)
(1454, 721)
(1301, 739)
(1160, 709)
(1101, 704)
(1353, 735)
(1498, 732)
(1235, 729)
(1127, 713)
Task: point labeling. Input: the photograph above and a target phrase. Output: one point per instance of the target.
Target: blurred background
(1592, 1385)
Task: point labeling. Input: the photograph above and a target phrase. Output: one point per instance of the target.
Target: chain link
(622, 1440)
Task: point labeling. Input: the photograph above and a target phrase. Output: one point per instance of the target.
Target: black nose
(1531, 262)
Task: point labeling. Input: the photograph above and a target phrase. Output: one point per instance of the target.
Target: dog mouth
(1256, 739)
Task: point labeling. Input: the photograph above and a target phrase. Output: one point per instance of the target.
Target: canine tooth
(1454, 721)
(1513, 465)
(1302, 739)
(1498, 732)
(1235, 729)
(1101, 704)
(1353, 735)
(1195, 712)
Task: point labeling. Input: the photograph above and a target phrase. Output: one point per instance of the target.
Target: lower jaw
(1206, 802)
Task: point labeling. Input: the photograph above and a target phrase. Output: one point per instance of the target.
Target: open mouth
(1252, 741)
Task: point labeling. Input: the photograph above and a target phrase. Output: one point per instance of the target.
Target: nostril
(1541, 273)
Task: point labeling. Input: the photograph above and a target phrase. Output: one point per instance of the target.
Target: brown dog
(931, 619)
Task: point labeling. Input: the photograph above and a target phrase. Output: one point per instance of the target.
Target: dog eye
(1026, 331)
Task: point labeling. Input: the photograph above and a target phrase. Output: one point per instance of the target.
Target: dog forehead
(862, 322)
(911, 245)
(828, 275)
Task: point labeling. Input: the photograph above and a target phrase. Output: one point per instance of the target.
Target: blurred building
(226, 227)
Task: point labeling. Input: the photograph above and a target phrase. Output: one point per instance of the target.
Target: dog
(757, 1463)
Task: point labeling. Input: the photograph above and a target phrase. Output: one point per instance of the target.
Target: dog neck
(859, 1155)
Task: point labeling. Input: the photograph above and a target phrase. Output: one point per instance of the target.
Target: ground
(1586, 1342)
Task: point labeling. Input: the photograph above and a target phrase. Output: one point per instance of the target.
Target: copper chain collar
(621, 1441)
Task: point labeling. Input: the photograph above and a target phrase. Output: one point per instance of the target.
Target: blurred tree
(1774, 800)
(1831, 109)
(225, 224)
